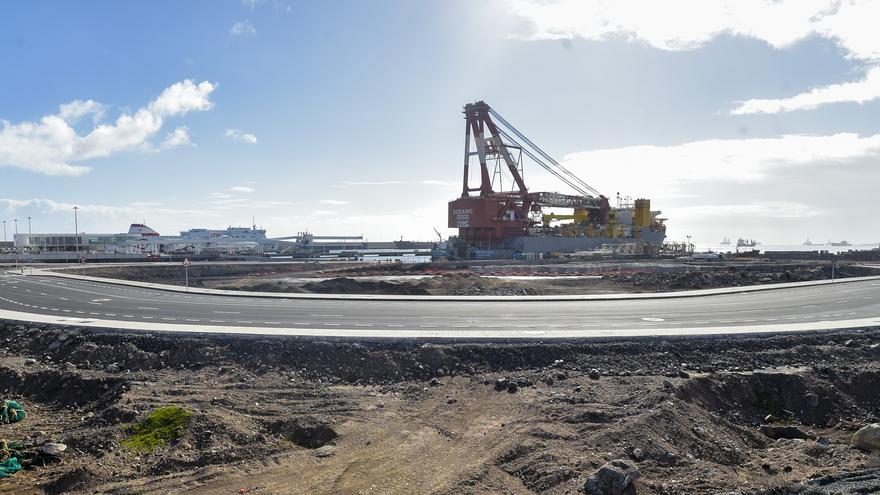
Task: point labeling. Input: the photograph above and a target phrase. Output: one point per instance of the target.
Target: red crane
(491, 215)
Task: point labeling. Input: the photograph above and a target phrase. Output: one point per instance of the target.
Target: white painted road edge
(374, 297)
(442, 334)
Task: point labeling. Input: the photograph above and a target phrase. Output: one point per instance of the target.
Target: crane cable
(575, 178)
(537, 160)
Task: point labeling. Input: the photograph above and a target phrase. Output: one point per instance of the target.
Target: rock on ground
(613, 478)
(868, 438)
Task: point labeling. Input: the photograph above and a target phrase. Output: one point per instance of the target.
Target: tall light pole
(29, 225)
(76, 230)
(4, 233)
(16, 224)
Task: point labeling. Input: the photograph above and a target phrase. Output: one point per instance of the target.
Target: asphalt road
(91, 303)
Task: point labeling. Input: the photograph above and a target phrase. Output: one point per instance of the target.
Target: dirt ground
(463, 278)
(275, 415)
(357, 280)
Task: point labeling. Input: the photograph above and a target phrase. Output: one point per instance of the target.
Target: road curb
(440, 333)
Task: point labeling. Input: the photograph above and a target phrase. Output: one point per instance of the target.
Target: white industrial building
(141, 240)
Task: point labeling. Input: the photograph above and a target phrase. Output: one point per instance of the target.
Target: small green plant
(163, 425)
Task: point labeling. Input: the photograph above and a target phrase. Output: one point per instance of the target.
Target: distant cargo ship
(808, 242)
(726, 241)
(841, 243)
(746, 243)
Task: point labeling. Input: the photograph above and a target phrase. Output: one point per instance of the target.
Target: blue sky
(737, 119)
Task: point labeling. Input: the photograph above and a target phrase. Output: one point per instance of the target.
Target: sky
(737, 119)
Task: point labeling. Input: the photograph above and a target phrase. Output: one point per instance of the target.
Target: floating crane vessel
(495, 221)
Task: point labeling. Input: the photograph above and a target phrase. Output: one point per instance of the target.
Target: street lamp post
(29, 225)
(15, 220)
(76, 231)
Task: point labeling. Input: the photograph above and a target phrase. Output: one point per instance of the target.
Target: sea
(718, 248)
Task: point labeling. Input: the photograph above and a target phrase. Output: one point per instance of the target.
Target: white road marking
(148, 308)
(227, 312)
(652, 318)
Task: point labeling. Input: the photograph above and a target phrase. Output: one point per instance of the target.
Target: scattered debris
(11, 412)
(325, 451)
(790, 432)
(50, 448)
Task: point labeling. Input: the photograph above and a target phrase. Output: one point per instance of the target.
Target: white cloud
(689, 24)
(333, 202)
(668, 170)
(784, 188)
(244, 137)
(111, 211)
(183, 97)
(178, 137)
(428, 182)
(243, 28)
(51, 146)
(75, 110)
(854, 92)
(242, 189)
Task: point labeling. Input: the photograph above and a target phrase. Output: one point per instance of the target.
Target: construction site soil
(284, 415)
(462, 278)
